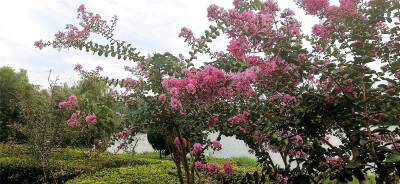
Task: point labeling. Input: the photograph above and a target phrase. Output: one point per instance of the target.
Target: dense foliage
(11, 82)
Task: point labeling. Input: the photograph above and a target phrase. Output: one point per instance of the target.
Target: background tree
(10, 83)
(156, 139)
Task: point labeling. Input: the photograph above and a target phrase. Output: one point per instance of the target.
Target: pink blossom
(238, 47)
(74, 119)
(191, 88)
(68, 105)
(214, 12)
(302, 57)
(196, 149)
(186, 33)
(217, 144)
(162, 97)
(199, 166)
(91, 119)
(39, 44)
(112, 92)
(321, 30)
(177, 142)
(72, 99)
(298, 138)
(123, 134)
(99, 68)
(78, 67)
(81, 8)
(175, 103)
(65, 105)
(285, 180)
(314, 7)
(220, 53)
(228, 168)
(213, 120)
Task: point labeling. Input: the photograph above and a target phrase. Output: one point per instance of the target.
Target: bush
(157, 141)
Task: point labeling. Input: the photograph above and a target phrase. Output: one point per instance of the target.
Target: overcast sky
(152, 26)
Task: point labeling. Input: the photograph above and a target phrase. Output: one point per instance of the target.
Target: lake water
(231, 147)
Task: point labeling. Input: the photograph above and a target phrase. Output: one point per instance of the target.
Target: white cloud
(150, 25)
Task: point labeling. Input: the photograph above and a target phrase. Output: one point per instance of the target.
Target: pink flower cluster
(280, 178)
(239, 119)
(220, 54)
(217, 144)
(188, 35)
(178, 144)
(214, 12)
(68, 104)
(378, 116)
(298, 154)
(213, 120)
(74, 119)
(214, 170)
(78, 67)
(377, 137)
(238, 48)
(99, 68)
(91, 119)
(315, 7)
(196, 149)
(258, 136)
(205, 85)
(347, 9)
(122, 134)
(162, 97)
(334, 161)
(73, 36)
(321, 30)
(39, 44)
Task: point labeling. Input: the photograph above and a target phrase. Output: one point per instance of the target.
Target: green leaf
(363, 142)
(350, 165)
(394, 157)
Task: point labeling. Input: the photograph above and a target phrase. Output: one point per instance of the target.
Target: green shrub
(164, 172)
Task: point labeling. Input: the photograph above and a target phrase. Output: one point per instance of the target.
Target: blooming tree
(270, 91)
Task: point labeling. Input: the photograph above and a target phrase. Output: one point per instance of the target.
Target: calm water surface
(231, 147)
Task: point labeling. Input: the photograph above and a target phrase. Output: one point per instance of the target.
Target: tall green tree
(10, 82)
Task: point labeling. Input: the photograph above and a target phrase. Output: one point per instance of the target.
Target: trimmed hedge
(72, 166)
(20, 167)
(164, 172)
(157, 171)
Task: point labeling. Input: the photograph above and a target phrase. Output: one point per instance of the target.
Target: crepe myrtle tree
(289, 99)
(270, 90)
(145, 97)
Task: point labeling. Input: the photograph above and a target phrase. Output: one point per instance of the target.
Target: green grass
(245, 161)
